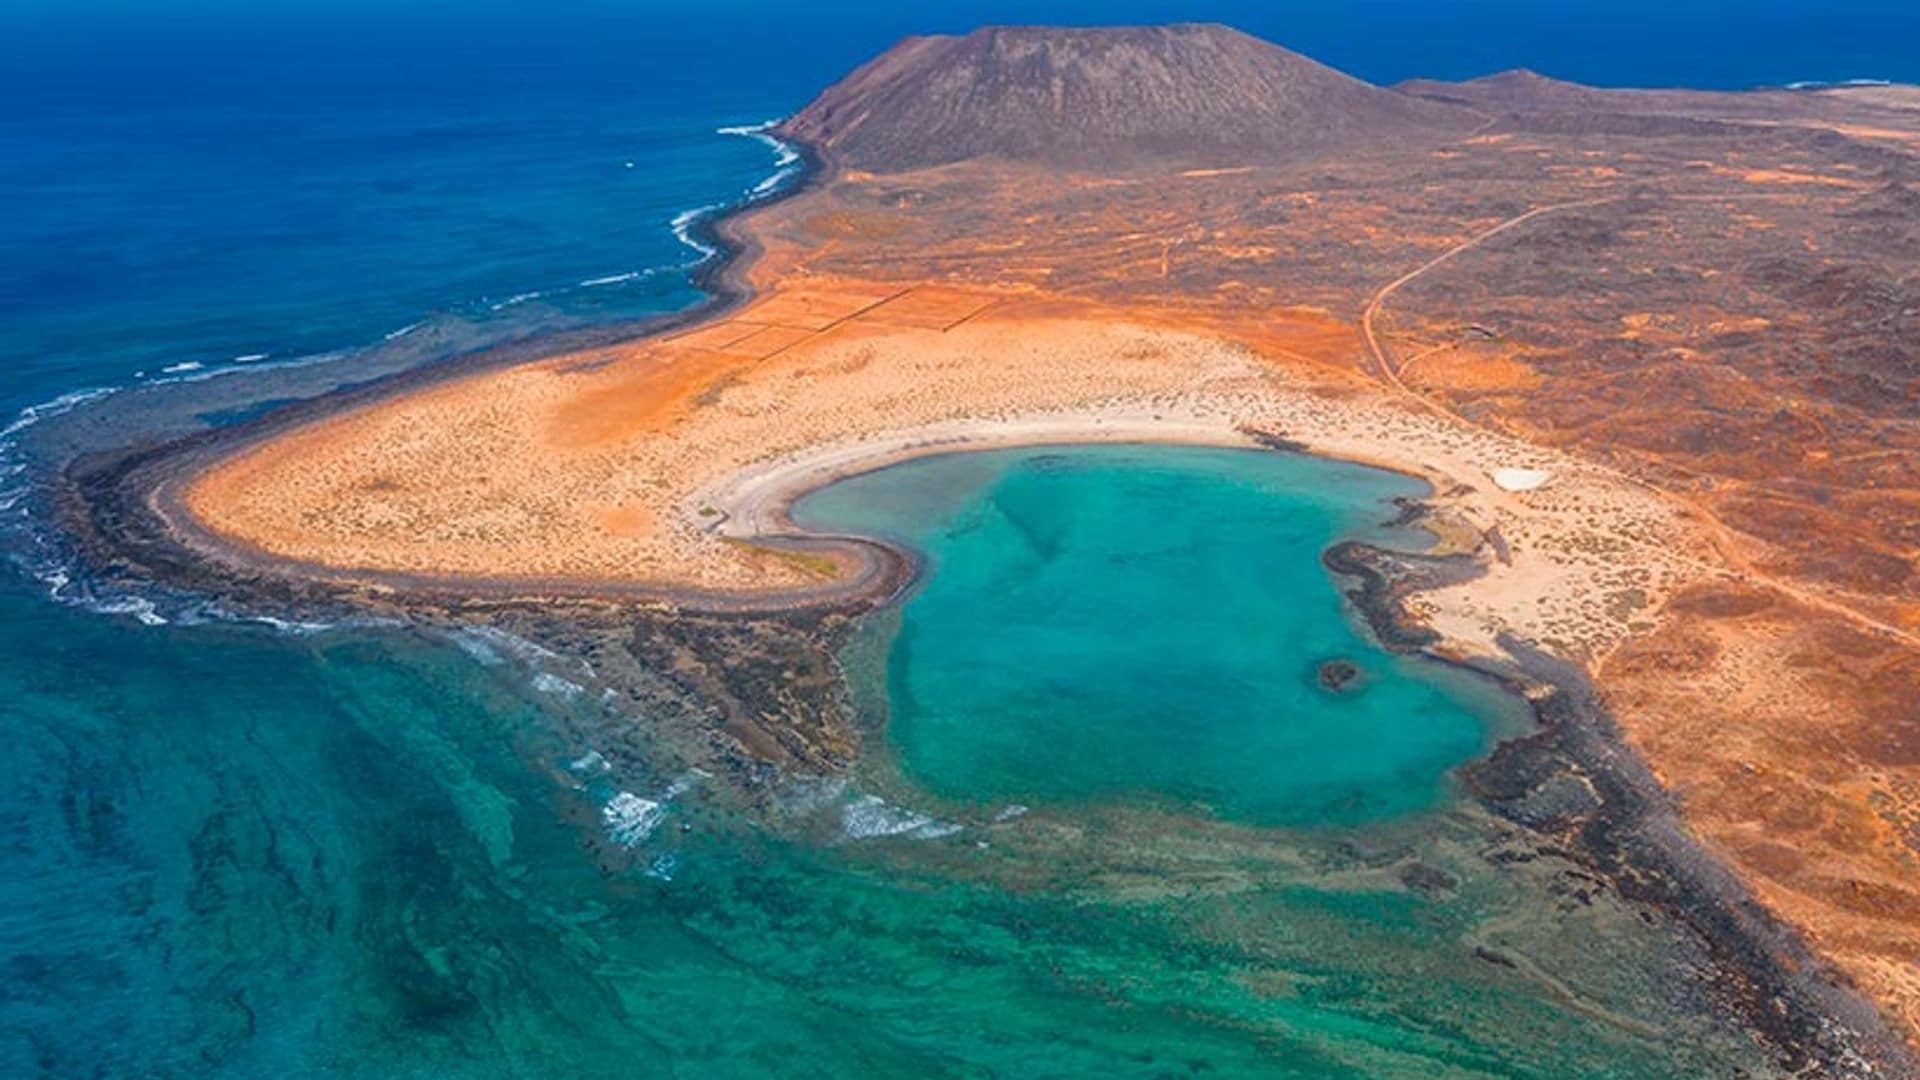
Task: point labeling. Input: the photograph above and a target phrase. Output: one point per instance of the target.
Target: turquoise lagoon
(367, 851)
(1148, 623)
(370, 852)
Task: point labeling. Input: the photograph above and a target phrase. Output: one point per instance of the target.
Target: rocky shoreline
(727, 655)
(1576, 791)
(750, 685)
(121, 509)
(748, 692)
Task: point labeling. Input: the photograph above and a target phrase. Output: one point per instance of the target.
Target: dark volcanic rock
(1427, 880)
(1336, 676)
(1114, 99)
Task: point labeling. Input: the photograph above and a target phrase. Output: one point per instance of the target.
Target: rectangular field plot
(931, 308)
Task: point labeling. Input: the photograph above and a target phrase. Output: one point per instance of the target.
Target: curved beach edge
(1628, 833)
(123, 511)
(124, 514)
(1625, 828)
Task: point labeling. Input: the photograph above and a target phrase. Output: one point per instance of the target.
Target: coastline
(120, 503)
(755, 505)
(1624, 829)
(1575, 785)
(132, 521)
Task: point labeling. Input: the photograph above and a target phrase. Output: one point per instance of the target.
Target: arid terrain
(1657, 351)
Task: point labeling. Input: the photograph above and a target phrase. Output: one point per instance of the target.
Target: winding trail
(1378, 354)
(1725, 538)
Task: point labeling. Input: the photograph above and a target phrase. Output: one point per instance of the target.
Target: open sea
(234, 849)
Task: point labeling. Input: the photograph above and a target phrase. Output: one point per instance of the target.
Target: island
(1656, 354)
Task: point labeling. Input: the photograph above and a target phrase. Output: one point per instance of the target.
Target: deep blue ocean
(233, 850)
(195, 183)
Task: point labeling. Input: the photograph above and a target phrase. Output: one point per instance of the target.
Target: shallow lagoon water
(236, 852)
(363, 852)
(1150, 622)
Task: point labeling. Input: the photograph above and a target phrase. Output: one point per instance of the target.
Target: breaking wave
(616, 279)
(515, 300)
(870, 816)
(832, 802)
(548, 683)
(34, 545)
(683, 224)
(630, 819)
(1836, 84)
(492, 646)
(61, 405)
(785, 153)
(786, 166)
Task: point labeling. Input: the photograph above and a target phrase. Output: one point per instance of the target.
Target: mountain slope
(1111, 99)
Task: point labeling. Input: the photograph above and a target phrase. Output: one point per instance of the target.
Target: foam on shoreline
(788, 164)
(39, 548)
(785, 153)
(682, 226)
(1836, 84)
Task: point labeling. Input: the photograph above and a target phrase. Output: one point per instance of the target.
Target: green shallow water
(367, 853)
(1148, 622)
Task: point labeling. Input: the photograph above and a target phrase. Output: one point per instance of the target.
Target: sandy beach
(680, 495)
(663, 472)
(1618, 516)
(1067, 550)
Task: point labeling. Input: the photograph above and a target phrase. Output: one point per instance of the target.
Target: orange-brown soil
(1714, 348)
